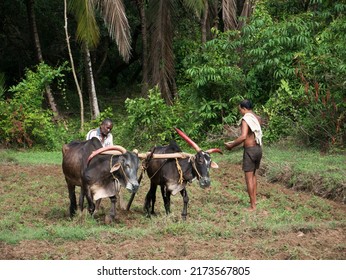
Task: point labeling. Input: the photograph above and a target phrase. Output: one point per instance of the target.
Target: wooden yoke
(113, 150)
(164, 156)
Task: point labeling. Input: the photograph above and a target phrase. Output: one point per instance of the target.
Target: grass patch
(306, 170)
(34, 200)
(30, 157)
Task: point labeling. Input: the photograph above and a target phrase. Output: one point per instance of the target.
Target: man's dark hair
(107, 120)
(247, 104)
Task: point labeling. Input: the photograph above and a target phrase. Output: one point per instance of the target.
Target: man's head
(245, 106)
(106, 126)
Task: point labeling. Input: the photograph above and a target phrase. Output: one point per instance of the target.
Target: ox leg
(150, 199)
(81, 200)
(73, 200)
(186, 201)
(85, 191)
(97, 206)
(166, 195)
(113, 207)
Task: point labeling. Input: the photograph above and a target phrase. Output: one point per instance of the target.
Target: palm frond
(195, 5)
(113, 13)
(87, 28)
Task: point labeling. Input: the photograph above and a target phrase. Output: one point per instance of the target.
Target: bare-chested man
(251, 137)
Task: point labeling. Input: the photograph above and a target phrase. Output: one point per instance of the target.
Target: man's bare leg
(251, 184)
(255, 186)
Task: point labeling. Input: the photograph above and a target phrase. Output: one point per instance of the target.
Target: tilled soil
(326, 242)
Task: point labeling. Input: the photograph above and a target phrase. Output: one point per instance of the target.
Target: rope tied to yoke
(180, 171)
(195, 167)
(116, 180)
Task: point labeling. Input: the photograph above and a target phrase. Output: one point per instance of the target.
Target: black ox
(99, 175)
(173, 174)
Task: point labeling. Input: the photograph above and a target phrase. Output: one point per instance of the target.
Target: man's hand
(229, 145)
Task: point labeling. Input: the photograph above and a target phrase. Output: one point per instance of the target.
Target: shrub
(151, 121)
(24, 122)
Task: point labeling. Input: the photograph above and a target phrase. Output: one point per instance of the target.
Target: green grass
(308, 161)
(301, 169)
(35, 207)
(30, 157)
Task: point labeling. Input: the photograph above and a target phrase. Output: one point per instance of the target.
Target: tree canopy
(199, 57)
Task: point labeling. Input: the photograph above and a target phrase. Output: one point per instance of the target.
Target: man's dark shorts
(252, 158)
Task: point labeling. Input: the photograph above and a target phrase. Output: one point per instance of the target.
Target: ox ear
(115, 167)
(213, 164)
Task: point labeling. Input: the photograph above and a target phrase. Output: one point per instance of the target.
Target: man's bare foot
(251, 209)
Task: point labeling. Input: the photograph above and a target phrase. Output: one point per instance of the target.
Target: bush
(150, 121)
(284, 110)
(24, 122)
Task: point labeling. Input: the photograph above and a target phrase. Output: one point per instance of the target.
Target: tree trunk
(229, 14)
(37, 46)
(245, 14)
(94, 106)
(204, 22)
(74, 71)
(145, 80)
(162, 70)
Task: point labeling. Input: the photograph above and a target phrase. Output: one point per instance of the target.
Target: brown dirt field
(248, 243)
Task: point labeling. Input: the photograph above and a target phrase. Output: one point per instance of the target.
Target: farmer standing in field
(103, 133)
(251, 137)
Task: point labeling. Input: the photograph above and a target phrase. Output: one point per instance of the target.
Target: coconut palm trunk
(94, 105)
(144, 27)
(114, 16)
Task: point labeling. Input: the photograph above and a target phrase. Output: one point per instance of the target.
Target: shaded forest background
(156, 64)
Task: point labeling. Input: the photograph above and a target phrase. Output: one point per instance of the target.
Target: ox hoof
(109, 219)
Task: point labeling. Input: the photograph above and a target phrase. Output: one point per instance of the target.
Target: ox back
(173, 175)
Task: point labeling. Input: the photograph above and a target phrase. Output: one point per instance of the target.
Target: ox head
(124, 168)
(123, 165)
(201, 161)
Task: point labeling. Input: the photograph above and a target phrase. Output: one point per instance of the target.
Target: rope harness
(116, 180)
(195, 167)
(180, 171)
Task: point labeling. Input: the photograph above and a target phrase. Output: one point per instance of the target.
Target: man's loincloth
(252, 158)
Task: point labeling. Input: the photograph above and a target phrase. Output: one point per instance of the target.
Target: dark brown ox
(99, 175)
(173, 174)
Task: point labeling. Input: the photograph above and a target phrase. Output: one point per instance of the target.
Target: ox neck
(187, 167)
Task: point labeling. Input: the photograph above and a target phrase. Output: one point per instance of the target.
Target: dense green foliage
(24, 121)
(289, 59)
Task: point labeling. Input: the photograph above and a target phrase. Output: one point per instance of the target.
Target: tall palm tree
(160, 25)
(141, 6)
(113, 14)
(161, 56)
(160, 15)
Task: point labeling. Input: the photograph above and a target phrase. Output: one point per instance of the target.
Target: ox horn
(188, 139)
(118, 148)
(214, 150)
